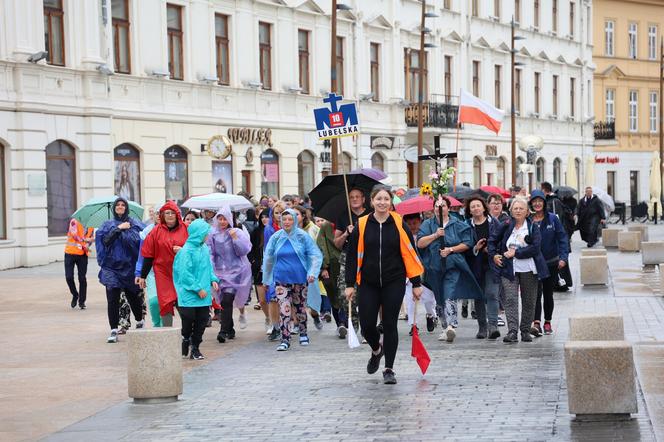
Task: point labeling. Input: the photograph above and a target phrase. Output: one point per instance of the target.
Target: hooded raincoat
(229, 258)
(192, 269)
(117, 250)
(158, 245)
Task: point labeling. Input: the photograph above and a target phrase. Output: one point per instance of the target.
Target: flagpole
(456, 150)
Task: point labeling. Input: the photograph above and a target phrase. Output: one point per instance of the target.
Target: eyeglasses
(169, 213)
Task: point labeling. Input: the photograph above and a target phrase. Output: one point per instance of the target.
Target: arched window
(500, 172)
(556, 172)
(539, 170)
(176, 174)
(519, 175)
(477, 171)
(305, 172)
(346, 162)
(377, 161)
(60, 186)
(3, 205)
(270, 173)
(127, 172)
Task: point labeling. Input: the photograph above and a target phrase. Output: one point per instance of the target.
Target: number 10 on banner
(336, 119)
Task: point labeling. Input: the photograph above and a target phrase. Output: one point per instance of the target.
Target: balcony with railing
(438, 112)
(605, 130)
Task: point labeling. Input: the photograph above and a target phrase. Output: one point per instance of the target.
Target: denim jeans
(488, 309)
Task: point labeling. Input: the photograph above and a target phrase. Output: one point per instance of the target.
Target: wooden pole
(333, 81)
(350, 216)
(420, 107)
(513, 111)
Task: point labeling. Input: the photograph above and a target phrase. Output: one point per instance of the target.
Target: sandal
(257, 306)
(283, 346)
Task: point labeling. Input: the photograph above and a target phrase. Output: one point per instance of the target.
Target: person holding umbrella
(380, 256)
(117, 244)
(591, 214)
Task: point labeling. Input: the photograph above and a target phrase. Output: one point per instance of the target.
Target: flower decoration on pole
(440, 180)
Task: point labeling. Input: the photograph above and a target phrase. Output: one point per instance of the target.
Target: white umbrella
(590, 172)
(605, 198)
(655, 184)
(215, 201)
(572, 178)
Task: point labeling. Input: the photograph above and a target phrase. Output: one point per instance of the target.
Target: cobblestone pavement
(474, 390)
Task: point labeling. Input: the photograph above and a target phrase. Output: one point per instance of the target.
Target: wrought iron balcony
(605, 130)
(437, 113)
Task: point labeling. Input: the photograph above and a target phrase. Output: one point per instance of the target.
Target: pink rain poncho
(229, 258)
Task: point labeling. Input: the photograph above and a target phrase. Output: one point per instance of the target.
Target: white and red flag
(472, 110)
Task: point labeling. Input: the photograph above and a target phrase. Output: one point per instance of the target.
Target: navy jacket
(554, 239)
(480, 263)
(498, 245)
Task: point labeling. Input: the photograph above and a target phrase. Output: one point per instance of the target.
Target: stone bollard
(599, 327)
(593, 270)
(629, 241)
(154, 364)
(639, 228)
(610, 237)
(593, 252)
(600, 377)
(652, 252)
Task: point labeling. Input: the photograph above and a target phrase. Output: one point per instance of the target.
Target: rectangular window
(412, 71)
(536, 16)
(572, 96)
(517, 91)
(633, 187)
(447, 4)
(374, 55)
(609, 26)
(610, 103)
(517, 11)
(632, 40)
(611, 183)
(120, 22)
(652, 42)
(554, 16)
(340, 65)
(496, 8)
(554, 107)
(175, 42)
(476, 78)
(265, 54)
(475, 11)
(448, 77)
(222, 48)
(572, 6)
(633, 111)
(54, 38)
(303, 58)
(653, 112)
(537, 92)
(497, 84)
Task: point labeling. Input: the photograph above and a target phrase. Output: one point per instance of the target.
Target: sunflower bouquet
(439, 183)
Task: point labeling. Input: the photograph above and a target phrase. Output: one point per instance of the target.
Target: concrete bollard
(610, 237)
(639, 228)
(599, 327)
(154, 365)
(600, 377)
(593, 270)
(593, 252)
(652, 252)
(629, 241)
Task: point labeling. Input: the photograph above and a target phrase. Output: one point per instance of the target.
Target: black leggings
(81, 263)
(113, 298)
(545, 288)
(194, 320)
(370, 299)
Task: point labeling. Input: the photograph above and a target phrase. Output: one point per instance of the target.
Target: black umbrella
(465, 192)
(565, 191)
(329, 198)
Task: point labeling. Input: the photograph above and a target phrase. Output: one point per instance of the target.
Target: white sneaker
(140, 324)
(113, 338)
(243, 322)
(442, 336)
(268, 326)
(296, 330)
(451, 334)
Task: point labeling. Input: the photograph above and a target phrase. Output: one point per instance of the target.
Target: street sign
(336, 121)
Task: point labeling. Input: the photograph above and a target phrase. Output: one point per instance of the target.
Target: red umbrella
(417, 349)
(454, 202)
(417, 204)
(495, 189)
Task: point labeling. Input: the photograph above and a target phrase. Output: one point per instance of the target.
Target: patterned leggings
(295, 295)
(125, 311)
(527, 282)
(343, 304)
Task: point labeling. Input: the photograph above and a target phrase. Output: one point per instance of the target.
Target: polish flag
(472, 110)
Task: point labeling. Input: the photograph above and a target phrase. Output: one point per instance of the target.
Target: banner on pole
(336, 121)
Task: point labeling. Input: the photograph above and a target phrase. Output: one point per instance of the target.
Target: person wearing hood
(158, 250)
(150, 283)
(291, 261)
(271, 227)
(229, 247)
(194, 279)
(555, 249)
(117, 244)
(256, 261)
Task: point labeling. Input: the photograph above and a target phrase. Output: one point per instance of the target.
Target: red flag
(419, 352)
(472, 110)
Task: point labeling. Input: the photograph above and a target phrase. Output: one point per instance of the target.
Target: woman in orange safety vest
(77, 249)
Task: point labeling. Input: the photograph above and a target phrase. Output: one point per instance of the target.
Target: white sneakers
(243, 321)
(113, 338)
(447, 335)
(268, 326)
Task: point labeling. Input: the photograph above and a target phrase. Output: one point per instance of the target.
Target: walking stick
(350, 216)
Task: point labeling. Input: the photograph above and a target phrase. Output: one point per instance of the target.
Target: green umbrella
(97, 210)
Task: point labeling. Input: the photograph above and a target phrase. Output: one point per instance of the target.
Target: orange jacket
(410, 259)
(76, 238)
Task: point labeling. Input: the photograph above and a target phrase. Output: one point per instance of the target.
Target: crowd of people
(370, 265)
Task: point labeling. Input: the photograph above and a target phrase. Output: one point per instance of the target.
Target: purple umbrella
(371, 173)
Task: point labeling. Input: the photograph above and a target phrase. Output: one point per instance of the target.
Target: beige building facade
(627, 35)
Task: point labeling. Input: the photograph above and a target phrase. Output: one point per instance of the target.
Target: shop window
(500, 172)
(3, 201)
(127, 172)
(377, 162)
(176, 174)
(477, 171)
(222, 176)
(305, 173)
(60, 186)
(539, 170)
(556, 172)
(346, 162)
(270, 173)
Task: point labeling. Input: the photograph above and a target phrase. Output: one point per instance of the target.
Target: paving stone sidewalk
(474, 390)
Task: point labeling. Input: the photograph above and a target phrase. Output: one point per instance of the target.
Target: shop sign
(336, 121)
(382, 142)
(607, 160)
(245, 135)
